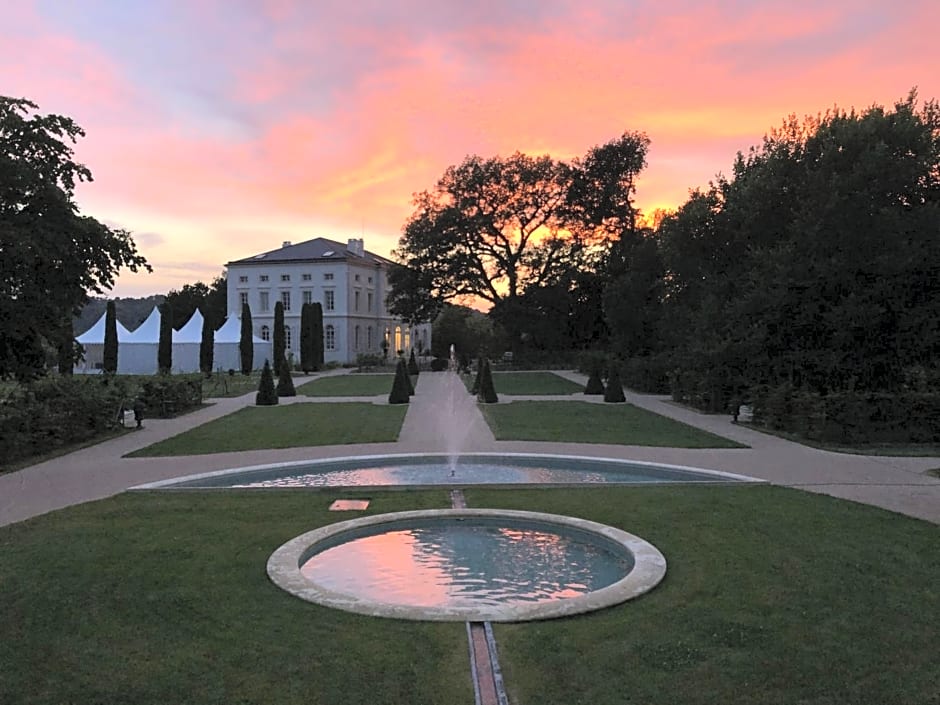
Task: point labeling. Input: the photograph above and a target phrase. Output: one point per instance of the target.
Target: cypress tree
(413, 365)
(594, 383)
(285, 384)
(400, 385)
(246, 345)
(307, 351)
(614, 393)
(165, 345)
(66, 347)
(267, 395)
(487, 392)
(110, 361)
(475, 387)
(206, 348)
(317, 335)
(280, 345)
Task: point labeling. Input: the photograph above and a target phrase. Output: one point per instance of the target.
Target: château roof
(320, 249)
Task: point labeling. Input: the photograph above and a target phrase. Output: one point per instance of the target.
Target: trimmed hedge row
(850, 417)
(58, 411)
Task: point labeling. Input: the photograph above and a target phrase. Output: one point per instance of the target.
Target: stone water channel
(487, 676)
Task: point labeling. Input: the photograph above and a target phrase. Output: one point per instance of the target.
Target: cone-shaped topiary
(487, 393)
(110, 362)
(399, 393)
(267, 395)
(411, 384)
(285, 384)
(594, 383)
(614, 391)
(475, 387)
(413, 365)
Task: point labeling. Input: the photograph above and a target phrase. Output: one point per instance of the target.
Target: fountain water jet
(459, 416)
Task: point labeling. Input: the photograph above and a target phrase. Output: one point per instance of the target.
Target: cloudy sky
(216, 129)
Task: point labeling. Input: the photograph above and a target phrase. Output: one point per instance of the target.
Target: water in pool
(468, 562)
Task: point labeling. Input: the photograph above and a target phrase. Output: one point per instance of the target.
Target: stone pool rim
(175, 483)
(649, 569)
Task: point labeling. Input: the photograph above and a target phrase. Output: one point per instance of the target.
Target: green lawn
(772, 596)
(351, 385)
(585, 422)
(288, 426)
(513, 383)
(154, 599)
(225, 385)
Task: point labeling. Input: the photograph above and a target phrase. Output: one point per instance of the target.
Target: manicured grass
(225, 385)
(153, 599)
(771, 596)
(521, 383)
(351, 385)
(288, 426)
(585, 422)
(900, 450)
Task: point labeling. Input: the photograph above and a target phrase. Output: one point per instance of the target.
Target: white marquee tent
(93, 342)
(137, 353)
(226, 355)
(186, 343)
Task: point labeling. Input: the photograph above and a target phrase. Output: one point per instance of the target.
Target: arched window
(398, 338)
(329, 337)
(265, 333)
(356, 339)
(287, 337)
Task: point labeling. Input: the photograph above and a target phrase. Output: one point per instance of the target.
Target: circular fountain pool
(421, 469)
(467, 565)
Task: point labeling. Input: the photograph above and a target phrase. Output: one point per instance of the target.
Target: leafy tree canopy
(492, 228)
(51, 256)
(209, 298)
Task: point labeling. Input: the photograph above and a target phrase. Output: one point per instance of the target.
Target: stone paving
(898, 484)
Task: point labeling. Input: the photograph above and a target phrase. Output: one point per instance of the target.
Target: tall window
(243, 298)
(285, 299)
(398, 339)
(308, 296)
(287, 337)
(356, 300)
(329, 338)
(265, 333)
(265, 303)
(369, 338)
(329, 300)
(369, 302)
(356, 339)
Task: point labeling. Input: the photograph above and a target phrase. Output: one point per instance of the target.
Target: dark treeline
(813, 269)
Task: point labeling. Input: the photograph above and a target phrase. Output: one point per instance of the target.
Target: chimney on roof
(356, 246)
(286, 243)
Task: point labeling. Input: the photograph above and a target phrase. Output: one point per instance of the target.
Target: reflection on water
(441, 473)
(462, 563)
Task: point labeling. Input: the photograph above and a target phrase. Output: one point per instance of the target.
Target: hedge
(850, 417)
(168, 395)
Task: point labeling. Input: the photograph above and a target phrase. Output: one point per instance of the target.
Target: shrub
(400, 385)
(594, 384)
(267, 394)
(614, 392)
(285, 384)
(165, 396)
(412, 364)
(648, 374)
(487, 393)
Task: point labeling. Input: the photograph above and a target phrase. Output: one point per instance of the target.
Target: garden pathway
(897, 484)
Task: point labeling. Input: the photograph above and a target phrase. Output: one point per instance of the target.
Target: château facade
(349, 282)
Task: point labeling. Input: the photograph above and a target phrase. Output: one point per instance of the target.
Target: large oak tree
(494, 228)
(51, 256)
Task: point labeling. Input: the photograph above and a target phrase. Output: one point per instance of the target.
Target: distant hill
(130, 312)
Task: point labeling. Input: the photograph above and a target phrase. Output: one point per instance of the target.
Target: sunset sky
(216, 130)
